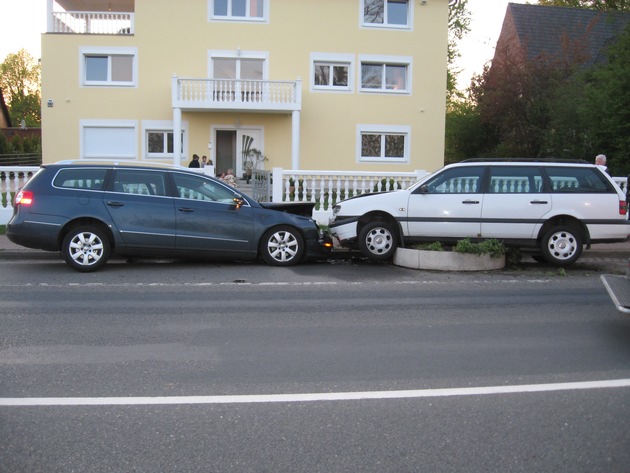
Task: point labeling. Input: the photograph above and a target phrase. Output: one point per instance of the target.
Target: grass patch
(3, 229)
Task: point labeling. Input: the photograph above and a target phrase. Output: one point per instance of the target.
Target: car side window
(460, 180)
(132, 181)
(199, 188)
(86, 178)
(566, 180)
(515, 180)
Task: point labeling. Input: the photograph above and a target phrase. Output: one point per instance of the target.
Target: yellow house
(328, 84)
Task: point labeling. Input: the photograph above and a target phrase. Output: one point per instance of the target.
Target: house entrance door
(233, 147)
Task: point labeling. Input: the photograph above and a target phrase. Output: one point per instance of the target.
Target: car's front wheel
(282, 246)
(377, 241)
(86, 248)
(562, 245)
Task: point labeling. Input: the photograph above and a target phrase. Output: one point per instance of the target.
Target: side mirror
(238, 202)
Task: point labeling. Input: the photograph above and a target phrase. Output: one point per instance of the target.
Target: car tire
(282, 246)
(86, 248)
(562, 245)
(378, 241)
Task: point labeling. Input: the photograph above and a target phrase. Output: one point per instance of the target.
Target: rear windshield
(92, 179)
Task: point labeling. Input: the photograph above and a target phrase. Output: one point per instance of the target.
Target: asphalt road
(343, 366)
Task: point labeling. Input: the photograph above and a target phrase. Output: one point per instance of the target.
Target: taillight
(623, 208)
(24, 198)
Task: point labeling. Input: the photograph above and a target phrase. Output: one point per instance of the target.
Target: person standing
(600, 160)
(195, 162)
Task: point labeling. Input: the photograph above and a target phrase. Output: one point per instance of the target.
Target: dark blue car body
(90, 210)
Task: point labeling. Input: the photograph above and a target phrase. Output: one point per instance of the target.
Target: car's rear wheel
(378, 241)
(282, 246)
(86, 248)
(562, 245)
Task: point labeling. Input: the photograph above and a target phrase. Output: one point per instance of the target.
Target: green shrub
(492, 247)
(435, 246)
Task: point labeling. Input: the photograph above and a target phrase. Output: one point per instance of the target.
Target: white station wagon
(554, 207)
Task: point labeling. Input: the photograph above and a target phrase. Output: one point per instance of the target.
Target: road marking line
(310, 397)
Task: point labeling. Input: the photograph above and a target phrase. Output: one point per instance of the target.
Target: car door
(142, 212)
(209, 219)
(515, 202)
(448, 205)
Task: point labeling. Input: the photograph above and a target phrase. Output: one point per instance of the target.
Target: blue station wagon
(91, 210)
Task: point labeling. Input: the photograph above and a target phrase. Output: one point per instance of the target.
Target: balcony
(91, 17)
(225, 95)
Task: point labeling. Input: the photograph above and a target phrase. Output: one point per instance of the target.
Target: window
(566, 180)
(111, 67)
(387, 13)
(515, 180)
(198, 188)
(108, 139)
(80, 178)
(460, 180)
(383, 144)
(332, 72)
(158, 140)
(249, 10)
(160, 144)
(140, 182)
(331, 75)
(389, 75)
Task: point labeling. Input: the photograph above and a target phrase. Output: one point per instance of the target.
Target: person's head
(600, 160)
(195, 157)
(204, 159)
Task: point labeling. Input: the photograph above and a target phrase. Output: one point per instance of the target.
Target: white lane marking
(310, 397)
(268, 284)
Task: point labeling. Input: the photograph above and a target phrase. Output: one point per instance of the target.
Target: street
(339, 366)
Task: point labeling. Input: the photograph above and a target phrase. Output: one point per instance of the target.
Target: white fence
(324, 188)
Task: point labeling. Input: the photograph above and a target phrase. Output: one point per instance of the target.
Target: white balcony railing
(92, 22)
(237, 94)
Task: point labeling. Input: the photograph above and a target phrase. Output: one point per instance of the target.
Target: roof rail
(527, 160)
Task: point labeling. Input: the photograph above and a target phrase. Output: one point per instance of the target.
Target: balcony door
(233, 147)
(237, 77)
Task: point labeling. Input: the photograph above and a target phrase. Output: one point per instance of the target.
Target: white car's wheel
(562, 245)
(378, 241)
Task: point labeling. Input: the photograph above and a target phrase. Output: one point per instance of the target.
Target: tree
(458, 27)
(606, 105)
(21, 86)
(621, 5)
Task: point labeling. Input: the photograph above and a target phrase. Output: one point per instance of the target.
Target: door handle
(186, 210)
(469, 202)
(115, 204)
(539, 202)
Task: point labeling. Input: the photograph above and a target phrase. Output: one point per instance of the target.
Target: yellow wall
(175, 37)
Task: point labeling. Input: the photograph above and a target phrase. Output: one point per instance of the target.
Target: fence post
(276, 189)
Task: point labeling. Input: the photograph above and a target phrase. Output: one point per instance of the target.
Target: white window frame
(85, 52)
(238, 55)
(383, 130)
(162, 126)
(129, 125)
(408, 26)
(243, 19)
(333, 60)
(406, 61)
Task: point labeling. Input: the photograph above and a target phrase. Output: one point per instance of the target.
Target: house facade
(333, 84)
